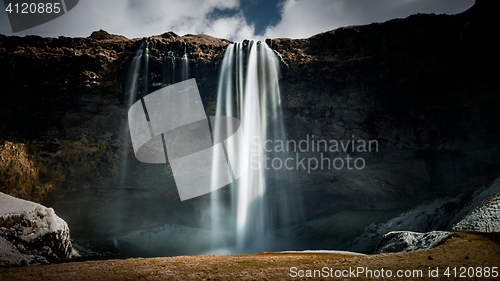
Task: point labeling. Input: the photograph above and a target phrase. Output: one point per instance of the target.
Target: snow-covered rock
(31, 233)
(435, 215)
(485, 218)
(441, 214)
(408, 241)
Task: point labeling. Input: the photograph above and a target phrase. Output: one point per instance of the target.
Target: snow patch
(408, 241)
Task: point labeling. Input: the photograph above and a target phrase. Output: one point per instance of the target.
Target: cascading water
(145, 71)
(185, 65)
(244, 217)
(136, 83)
(248, 89)
(139, 65)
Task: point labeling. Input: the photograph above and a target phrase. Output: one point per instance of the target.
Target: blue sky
(232, 19)
(261, 13)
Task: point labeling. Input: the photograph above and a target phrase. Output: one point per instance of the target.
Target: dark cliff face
(423, 87)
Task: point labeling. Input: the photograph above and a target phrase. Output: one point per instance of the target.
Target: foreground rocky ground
(461, 250)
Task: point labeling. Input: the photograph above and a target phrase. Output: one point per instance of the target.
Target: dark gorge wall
(423, 87)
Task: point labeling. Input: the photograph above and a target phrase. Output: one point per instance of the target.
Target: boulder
(31, 233)
(484, 219)
(10, 256)
(476, 212)
(407, 241)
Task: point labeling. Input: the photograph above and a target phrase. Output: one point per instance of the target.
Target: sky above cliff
(232, 19)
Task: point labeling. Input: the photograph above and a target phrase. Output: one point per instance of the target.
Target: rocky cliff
(423, 87)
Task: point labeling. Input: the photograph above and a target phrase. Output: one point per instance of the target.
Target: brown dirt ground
(462, 250)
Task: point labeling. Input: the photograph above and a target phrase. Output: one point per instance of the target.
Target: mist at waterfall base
(256, 212)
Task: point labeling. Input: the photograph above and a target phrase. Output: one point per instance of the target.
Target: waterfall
(133, 79)
(169, 68)
(145, 71)
(136, 83)
(245, 216)
(185, 65)
(133, 76)
(248, 89)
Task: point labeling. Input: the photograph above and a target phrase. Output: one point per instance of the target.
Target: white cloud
(135, 18)
(235, 28)
(157, 16)
(299, 18)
